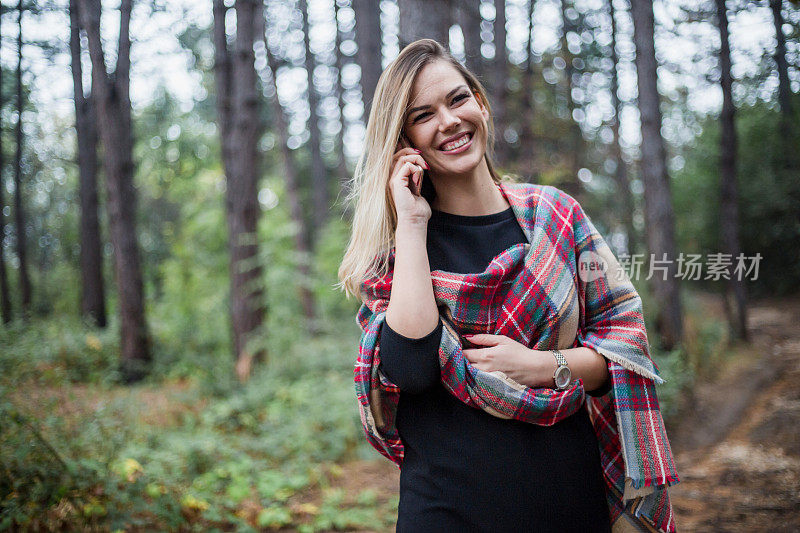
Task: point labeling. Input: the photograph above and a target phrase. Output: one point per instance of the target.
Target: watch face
(563, 377)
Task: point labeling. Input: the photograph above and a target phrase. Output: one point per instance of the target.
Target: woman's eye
(460, 97)
(421, 116)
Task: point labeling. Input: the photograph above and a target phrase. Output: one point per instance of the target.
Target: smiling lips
(454, 144)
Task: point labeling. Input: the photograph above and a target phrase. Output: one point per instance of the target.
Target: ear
(482, 104)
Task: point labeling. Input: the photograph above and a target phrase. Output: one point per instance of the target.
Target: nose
(449, 120)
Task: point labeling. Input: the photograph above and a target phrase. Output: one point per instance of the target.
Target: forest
(175, 352)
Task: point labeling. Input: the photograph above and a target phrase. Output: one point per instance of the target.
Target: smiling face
(446, 121)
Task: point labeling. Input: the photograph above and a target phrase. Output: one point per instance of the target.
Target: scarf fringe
(629, 365)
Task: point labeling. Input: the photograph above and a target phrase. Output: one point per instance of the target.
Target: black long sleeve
(411, 364)
(464, 469)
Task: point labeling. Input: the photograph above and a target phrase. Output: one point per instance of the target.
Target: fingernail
(418, 151)
(425, 165)
(468, 335)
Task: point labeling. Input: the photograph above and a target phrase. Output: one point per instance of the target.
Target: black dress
(465, 470)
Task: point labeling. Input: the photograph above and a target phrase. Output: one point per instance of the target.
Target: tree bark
(500, 91)
(729, 196)
(784, 89)
(113, 107)
(527, 144)
(341, 167)
(468, 16)
(369, 55)
(658, 203)
(290, 172)
(238, 108)
(421, 19)
(91, 258)
(19, 211)
(574, 139)
(5, 294)
(621, 172)
(319, 174)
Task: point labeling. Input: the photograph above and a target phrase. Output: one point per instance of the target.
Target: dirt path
(738, 453)
(737, 448)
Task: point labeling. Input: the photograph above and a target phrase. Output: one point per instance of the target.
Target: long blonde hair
(374, 218)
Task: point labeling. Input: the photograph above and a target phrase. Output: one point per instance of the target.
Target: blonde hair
(374, 218)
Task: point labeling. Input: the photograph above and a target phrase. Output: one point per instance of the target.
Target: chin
(462, 167)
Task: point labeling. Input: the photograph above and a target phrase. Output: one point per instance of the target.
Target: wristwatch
(562, 376)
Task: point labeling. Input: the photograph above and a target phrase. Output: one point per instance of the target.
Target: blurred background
(173, 354)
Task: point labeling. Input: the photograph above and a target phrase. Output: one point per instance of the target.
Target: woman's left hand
(527, 367)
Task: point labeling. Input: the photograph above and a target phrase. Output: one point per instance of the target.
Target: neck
(471, 194)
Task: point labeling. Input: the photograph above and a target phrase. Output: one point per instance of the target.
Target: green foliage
(768, 167)
(59, 350)
(166, 455)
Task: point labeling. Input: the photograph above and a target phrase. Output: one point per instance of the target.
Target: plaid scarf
(535, 294)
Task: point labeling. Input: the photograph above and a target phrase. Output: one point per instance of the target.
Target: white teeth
(458, 143)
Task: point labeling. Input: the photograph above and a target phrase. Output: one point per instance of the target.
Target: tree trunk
(319, 174)
(238, 109)
(111, 92)
(5, 294)
(499, 86)
(91, 258)
(784, 90)
(301, 239)
(19, 212)
(527, 144)
(421, 19)
(341, 167)
(468, 16)
(574, 139)
(621, 171)
(369, 55)
(729, 197)
(658, 203)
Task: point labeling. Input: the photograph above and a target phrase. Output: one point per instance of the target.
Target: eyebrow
(451, 93)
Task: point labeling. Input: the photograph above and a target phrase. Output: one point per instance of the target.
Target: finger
(406, 175)
(402, 171)
(405, 152)
(485, 339)
(476, 355)
(414, 158)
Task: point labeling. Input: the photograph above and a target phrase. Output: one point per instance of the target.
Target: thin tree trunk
(19, 212)
(301, 240)
(729, 196)
(369, 55)
(319, 174)
(91, 257)
(238, 110)
(5, 294)
(501, 73)
(784, 90)
(527, 145)
(247, 308)
(658, 203)
(424, 19)
(574, 138)
(113, 107)
(621, 171)
(341, 167)
(468, 16)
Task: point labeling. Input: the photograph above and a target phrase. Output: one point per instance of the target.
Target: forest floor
(736, 443)
(736, 439)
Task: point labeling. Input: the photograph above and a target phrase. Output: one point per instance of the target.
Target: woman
(481, 335)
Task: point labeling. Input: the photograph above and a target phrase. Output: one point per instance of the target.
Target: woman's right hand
(405, 185)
